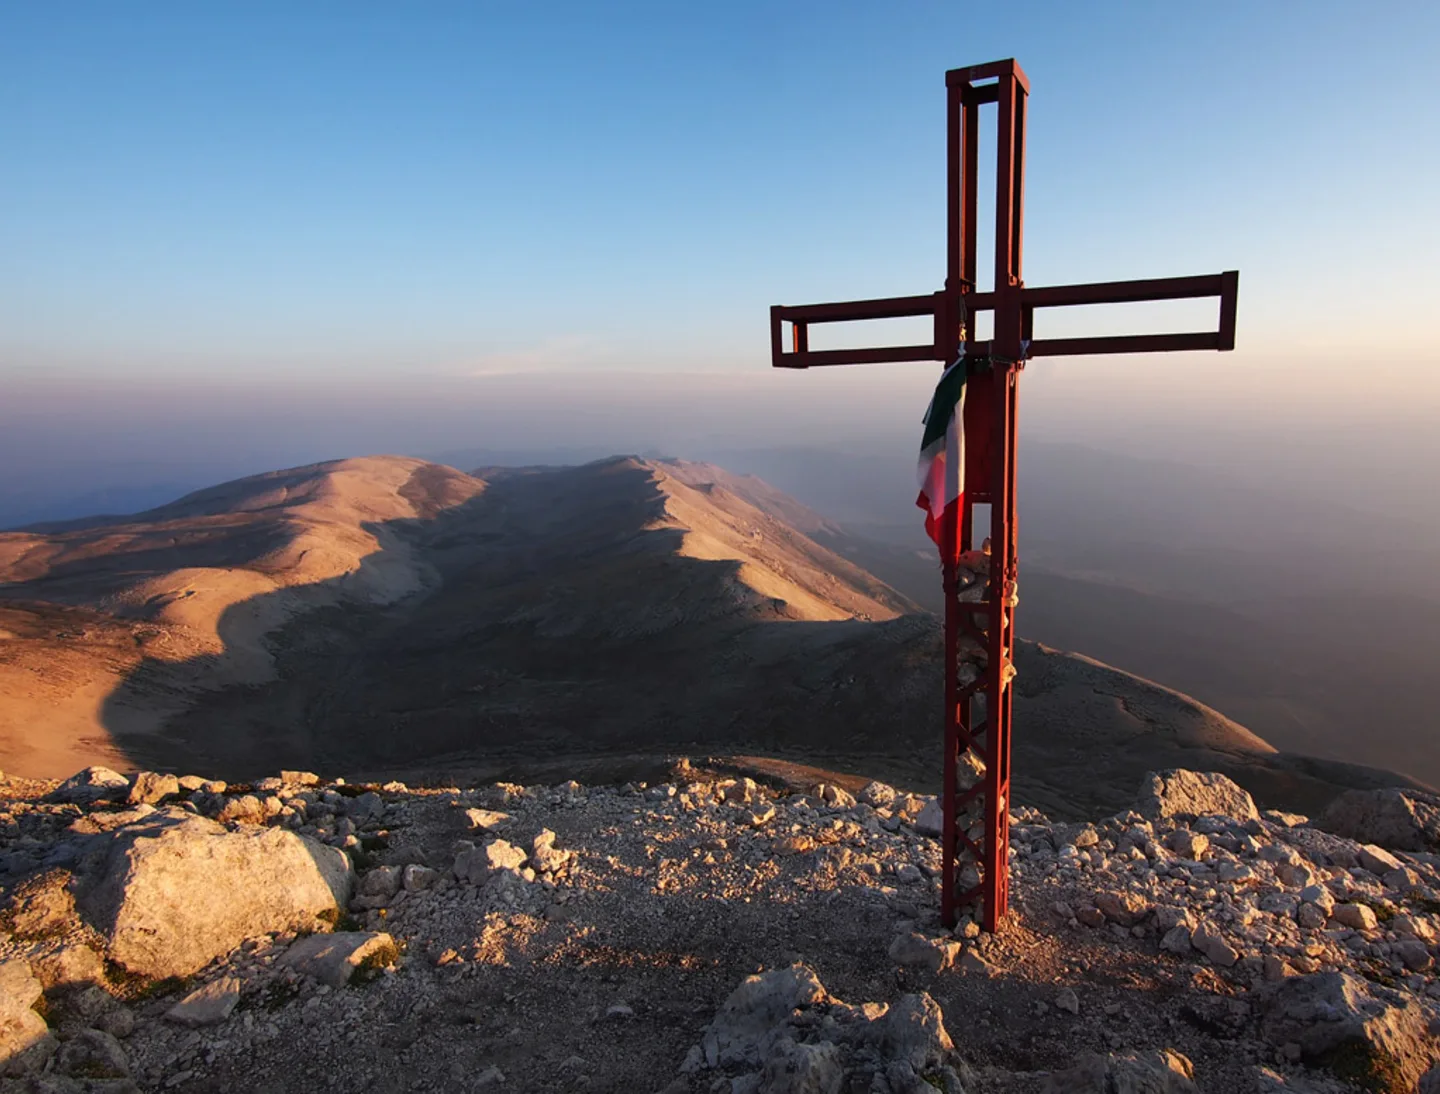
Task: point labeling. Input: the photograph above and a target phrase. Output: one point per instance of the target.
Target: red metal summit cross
(978, 850)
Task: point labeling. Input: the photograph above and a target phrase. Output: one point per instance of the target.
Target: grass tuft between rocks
(354, 790)
(1383, 909)
(367, 854)
(1421, 901)
(272, 998)
(1360, 1065)
(338, 920)
(94, 1069)
(134, 988)
(372, 963)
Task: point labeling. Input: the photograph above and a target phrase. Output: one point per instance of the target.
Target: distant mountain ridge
(386, 612)
(199, 587)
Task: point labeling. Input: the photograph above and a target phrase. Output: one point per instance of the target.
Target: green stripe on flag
(942, 405)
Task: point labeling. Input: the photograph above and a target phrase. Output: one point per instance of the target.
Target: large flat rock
(334, 958)
(178, 891)
(1395, 817)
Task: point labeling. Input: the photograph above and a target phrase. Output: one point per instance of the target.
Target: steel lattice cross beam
(975, 841)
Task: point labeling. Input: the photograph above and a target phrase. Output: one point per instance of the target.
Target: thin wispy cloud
(561, 353)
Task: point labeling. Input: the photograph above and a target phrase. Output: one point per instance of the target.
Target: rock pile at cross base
(708, 934)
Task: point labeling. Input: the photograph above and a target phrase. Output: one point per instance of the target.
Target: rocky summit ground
(707, 933)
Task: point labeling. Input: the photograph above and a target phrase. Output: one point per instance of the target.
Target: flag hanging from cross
(942, 457)
(973, 462)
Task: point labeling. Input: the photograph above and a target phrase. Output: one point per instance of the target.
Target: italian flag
(941, 469)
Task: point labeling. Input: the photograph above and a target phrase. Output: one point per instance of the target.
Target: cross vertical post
(981, 811)
(978, 695)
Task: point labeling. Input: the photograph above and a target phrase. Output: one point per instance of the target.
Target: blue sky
(439, 187)
(205, 201)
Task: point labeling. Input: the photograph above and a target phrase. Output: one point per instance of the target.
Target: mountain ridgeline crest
(386, 614)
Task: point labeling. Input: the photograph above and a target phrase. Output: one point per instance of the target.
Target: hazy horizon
(60, 442)
(461, 228)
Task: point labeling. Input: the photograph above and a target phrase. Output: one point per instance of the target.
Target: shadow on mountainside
(562, 626)
(565, 630)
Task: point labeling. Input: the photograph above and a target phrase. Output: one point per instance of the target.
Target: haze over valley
(1269, 604)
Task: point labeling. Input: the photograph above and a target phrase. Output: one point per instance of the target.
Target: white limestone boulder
(178, 891)
(802, 1069)
(931, 819)
(486, 820)
(97, 1059)
(1395, 818)
(919, 951)
(39, 905)
(878, 795)
(152, 787)
(1189, 794)
(752, 1019)
(913, 1030)
(335, 958)
(92, 785)
(1339, 1018)
(208, 1004)
(1156, 1072)
(25, 1040)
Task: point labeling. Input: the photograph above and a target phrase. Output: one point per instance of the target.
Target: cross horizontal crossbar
(1225, 286)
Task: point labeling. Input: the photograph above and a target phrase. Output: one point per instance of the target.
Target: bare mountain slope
(632, 511)
(191, 597)
(185, 564)
(196, 586)
(387, 614)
